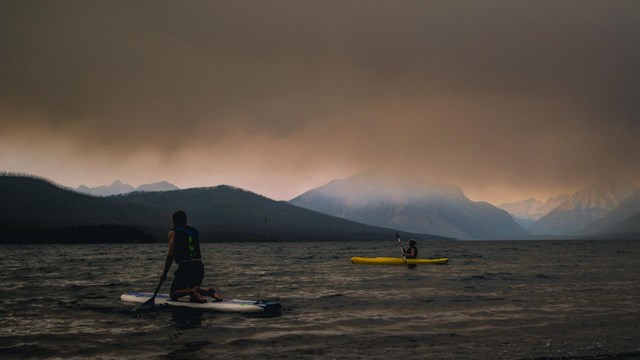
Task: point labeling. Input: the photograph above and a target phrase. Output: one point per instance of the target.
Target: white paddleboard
(234, 305)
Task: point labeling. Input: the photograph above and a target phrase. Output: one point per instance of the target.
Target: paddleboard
(234, 305)
(397, 261)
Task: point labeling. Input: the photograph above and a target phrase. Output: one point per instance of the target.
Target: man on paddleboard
(184, 249)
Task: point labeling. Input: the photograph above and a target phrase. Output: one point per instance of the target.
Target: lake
(494, 300)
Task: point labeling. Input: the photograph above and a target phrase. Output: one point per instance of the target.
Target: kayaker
(184, 249)
(411, 252)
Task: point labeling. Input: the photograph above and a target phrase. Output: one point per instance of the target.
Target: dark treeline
(8, 174)
(111, 233)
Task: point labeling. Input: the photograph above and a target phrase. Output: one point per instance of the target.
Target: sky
(506, 99)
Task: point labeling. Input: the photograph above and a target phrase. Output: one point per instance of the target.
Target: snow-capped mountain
(628, 208)
(590, 204)
(117, 188)
(408, 203)
(533, 209)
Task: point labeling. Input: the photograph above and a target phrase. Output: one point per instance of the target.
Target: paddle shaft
(155, 293)
(401, 246)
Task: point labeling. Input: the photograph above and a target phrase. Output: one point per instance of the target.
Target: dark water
(495, 300)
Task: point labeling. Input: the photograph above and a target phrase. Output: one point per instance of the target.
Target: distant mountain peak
(589, 204)
(627, 211)
(157, 186)
(525, 209)
(408, 203)
(604, 194)
(117, 188)
(533, 209)
(390, 185)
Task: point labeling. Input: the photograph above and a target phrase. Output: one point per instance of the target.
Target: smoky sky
(507, 99)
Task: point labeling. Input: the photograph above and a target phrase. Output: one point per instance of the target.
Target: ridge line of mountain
(375, 199)
(222, 213)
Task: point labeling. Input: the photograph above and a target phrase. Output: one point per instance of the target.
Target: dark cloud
(500, 97)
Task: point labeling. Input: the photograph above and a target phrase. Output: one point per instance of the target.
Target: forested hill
(31, 208)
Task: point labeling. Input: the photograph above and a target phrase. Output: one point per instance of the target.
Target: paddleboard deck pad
(234, 305)
(397, 261)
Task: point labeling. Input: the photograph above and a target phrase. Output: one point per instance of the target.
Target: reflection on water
(184, 318)
(507, 300)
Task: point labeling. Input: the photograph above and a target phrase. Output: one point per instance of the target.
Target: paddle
(404, 258)
(150, 304)
(400, 242)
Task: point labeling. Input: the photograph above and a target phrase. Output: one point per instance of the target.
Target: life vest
(412, 257)
(186, 244)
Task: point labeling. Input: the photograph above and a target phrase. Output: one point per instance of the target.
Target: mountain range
(595, 210)
(34, 207)
(117, 188)
(528, 211)
(369, 205)
(408, 203)
(605, 209)
(584, 207)
(624, 218)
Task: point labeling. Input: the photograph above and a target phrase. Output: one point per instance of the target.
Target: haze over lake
(508, 100)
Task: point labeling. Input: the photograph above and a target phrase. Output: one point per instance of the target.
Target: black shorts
(188, 275)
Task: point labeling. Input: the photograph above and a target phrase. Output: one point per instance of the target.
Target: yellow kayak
(397, 261)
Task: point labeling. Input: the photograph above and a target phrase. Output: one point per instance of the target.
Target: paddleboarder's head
(412, 242)
(179, 218)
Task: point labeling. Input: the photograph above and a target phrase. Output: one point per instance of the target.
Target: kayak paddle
(404, 258)
(401, 247)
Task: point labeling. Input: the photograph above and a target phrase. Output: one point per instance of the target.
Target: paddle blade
(147, 306)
